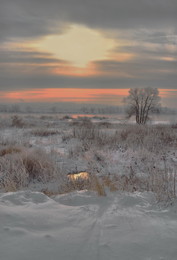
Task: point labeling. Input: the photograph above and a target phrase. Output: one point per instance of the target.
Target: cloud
(146, 29)
(18, 82)
(140, 67)
(24, 18)
(28, 19)
(22, 56)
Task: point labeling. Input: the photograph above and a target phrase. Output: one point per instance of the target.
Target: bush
(93, 183)
(13, 175)
(91, 136)
(17, 121)
(66, 117)
(19, 169)
(10, 150)
(44, 132)
(82, 122)
(38, 165)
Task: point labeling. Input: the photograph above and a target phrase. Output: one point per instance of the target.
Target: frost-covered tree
(142, 101)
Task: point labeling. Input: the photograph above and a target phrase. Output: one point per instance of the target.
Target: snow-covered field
(81, 225)
(133, 167)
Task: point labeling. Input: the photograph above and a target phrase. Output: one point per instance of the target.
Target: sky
(87, 51)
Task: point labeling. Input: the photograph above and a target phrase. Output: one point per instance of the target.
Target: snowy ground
(83, 226)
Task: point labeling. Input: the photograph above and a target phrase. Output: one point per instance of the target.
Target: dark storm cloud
(30, 18)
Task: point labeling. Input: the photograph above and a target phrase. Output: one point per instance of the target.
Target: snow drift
(83, 226)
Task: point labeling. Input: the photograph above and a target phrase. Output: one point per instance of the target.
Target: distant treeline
(70, 108)
(63, 108)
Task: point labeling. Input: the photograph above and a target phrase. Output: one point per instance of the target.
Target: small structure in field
(79, 176)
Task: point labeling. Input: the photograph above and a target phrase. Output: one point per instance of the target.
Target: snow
(82, 225)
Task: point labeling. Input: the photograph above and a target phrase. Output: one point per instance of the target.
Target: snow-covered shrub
(152, 138)
(44, 132)
(82, 122)
(160, 138)
(13, 175)
(104, 124)
(66, 117)
(92, 136)
(5, 121)
(76, 151)
(10, 150)
(38, 165)
(93, 183)
(98, 186)
(163, 184)
(17, 170)
(66, 136)
(83, 133)
(118, 156)
(14, 138)
(17, 121)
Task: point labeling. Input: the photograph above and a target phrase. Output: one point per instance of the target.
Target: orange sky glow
(62, 95)
(67, 70)
(112, 96)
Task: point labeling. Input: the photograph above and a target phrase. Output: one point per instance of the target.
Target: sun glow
(90, 70)
(79, 45)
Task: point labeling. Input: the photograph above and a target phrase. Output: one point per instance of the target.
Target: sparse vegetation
(119, 157)
(17, 121)
(19, 168)
(44, 132)
(10, 150)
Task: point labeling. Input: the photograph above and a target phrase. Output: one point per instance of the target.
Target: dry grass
(66, 117)
(38, 165)
(17, 170)
(98, 186)
(109, 183)
(13, 175)
(17, 121)
(162, 183)
(143, 146)
(93, 183)
(15, 140)
(139, 147)
(69, 185)
(104, 124)
(153, 138)
(44, 132)
(10, 150)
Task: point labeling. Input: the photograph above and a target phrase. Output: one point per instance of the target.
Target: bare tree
(141, 102)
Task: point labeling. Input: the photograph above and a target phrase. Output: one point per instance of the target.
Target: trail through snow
(83, 226)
